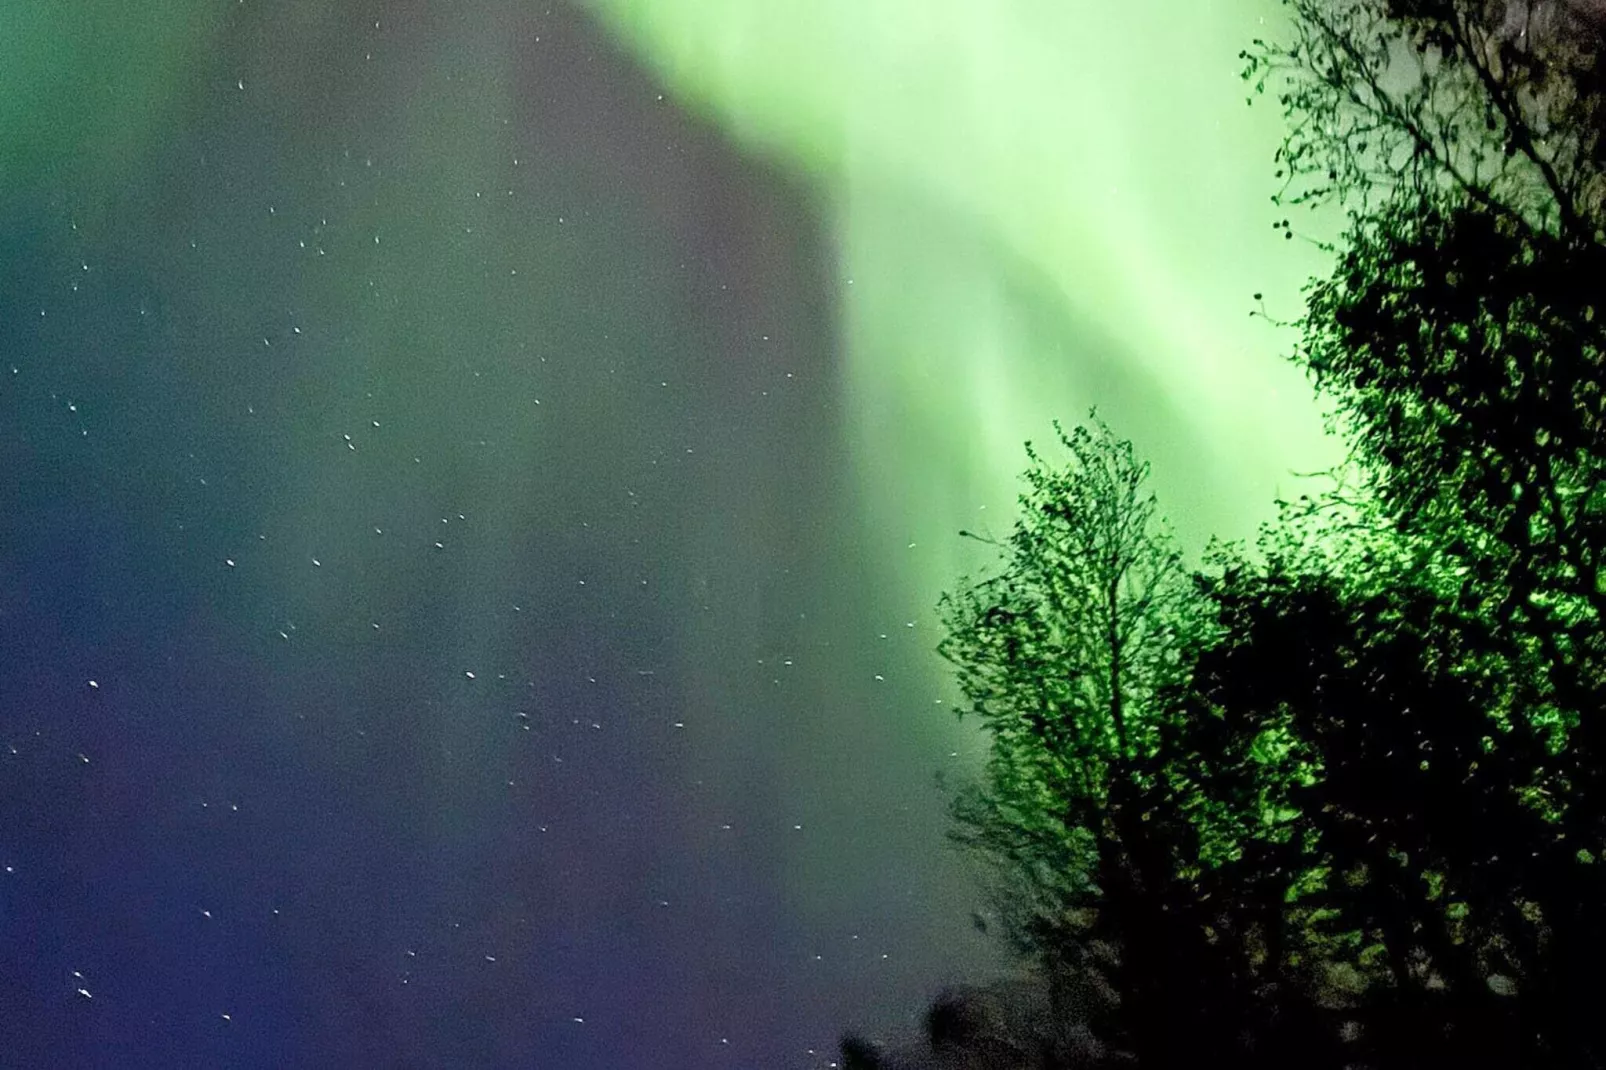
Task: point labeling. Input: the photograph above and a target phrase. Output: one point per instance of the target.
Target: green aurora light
(1040, 205)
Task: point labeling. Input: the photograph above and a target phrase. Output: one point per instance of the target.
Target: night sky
(476, 477)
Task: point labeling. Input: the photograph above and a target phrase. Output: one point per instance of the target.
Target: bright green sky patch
(1040, 205)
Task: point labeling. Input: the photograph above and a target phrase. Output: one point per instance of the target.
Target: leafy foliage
(1471, 358)
(1060, 654)
(1343, 803)
(1402, 809)
(1113, 826)
(1499, 104)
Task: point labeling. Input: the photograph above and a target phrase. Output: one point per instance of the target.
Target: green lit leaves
(1382, 104)
(1064, 653)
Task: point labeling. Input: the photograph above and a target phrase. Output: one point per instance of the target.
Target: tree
(1471, 361)
(1499, 103)
(1064, 655)
(1462, 336)
(1401, 817)
(1347, 803)
(1061, 652)
(1014, 1024)
(1461, 332)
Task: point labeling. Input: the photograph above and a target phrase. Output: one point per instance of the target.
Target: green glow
(1037, 204)
(86, 86)
(1040, 205)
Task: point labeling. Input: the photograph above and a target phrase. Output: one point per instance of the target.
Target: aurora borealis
(477, 478)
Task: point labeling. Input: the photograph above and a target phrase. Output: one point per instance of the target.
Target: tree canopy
(1342, 801)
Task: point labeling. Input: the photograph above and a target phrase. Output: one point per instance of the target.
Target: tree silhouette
(1499, 104)
(1343, 803)
(1404, 804)
(1461, 335)
(1015, 1024)
(1100, 845)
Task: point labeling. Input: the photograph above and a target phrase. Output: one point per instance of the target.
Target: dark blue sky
(435, 628)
